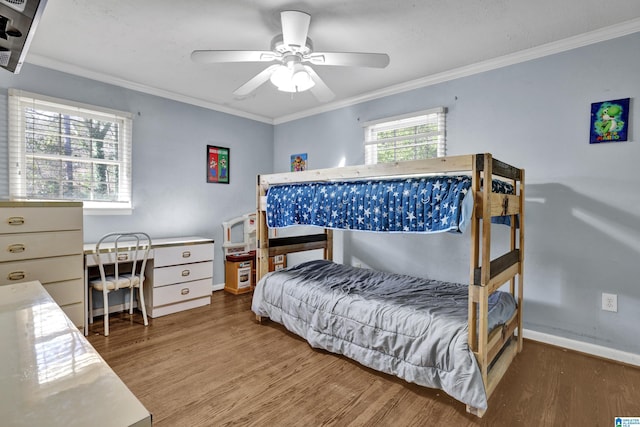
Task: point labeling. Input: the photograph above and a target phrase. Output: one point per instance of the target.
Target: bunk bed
(459, 338)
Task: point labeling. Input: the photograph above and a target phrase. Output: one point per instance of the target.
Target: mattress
(410, 327)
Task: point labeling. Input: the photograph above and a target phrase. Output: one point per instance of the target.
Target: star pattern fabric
(418, 205)
(414, 205)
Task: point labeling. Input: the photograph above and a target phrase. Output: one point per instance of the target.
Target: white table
(50, 375)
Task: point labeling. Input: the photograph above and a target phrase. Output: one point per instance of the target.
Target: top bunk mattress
(414, 328)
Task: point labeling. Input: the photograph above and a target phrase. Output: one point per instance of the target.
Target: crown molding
(592, 37)
(43, 61)
(596, 36)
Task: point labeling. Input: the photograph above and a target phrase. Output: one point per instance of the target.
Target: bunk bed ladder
(494, 352)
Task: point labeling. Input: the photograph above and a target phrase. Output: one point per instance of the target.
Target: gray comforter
(413, 328)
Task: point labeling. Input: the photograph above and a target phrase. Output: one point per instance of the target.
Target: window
(409, 137)
(61, 150)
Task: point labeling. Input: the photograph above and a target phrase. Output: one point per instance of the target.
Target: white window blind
(414, 136)
(61, 150)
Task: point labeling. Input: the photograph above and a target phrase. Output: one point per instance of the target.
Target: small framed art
(609, 121)
(299, 162)
(217, 164)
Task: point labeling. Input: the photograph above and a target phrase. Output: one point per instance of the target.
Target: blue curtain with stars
(419, 205)
(408, 205)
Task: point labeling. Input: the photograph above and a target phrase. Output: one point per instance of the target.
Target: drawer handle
(185, 291)
(123, 257)
(185, 273)
(16, 275)
(186, 254)
(17, 248)
(16, 220)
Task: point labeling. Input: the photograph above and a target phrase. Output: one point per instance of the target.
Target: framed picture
(217, 164)
(609, 121)
(299, 162)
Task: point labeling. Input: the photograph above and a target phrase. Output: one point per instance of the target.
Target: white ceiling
(146, 44)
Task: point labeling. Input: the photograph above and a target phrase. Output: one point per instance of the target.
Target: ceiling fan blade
(256, 81)
(213, 56)
(295, 26)
(320, 90)
(349, 59)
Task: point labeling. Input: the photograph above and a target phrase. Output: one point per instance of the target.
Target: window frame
(405, 121)
(19, 100)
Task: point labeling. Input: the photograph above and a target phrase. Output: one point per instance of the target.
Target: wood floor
(215, 366)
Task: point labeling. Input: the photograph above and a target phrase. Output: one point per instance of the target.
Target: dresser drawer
(179, 306)
(20, 246)
(45, 270)
(181, 292)
(181, 273)
(23, 219)
(110, 257)
(173, 255)
(67, 292)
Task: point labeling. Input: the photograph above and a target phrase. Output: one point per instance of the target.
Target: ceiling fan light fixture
(292, 54)
(292, 79)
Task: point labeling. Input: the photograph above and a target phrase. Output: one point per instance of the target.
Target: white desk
(50, 375)
(179, 274)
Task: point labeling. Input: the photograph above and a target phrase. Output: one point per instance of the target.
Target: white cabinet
(180, 276)
(43, 241)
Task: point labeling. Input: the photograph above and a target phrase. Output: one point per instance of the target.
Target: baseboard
(218, 287)
(583, 347)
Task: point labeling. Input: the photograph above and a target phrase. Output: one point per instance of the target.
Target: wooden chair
(122, 258)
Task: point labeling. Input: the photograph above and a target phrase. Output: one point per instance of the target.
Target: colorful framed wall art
(609, 121)
(217, 164)
(299, 162)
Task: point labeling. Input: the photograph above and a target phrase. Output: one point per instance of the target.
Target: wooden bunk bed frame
(494, 351)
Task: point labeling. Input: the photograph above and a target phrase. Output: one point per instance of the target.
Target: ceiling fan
(292, 54)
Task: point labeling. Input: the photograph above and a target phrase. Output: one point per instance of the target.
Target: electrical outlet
(609, 302)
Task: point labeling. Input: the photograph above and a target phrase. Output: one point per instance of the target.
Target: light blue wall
(170, 194)
(582, 218)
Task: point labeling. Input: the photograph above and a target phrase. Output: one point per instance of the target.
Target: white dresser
(43, 241)
(182, 275)
(179, 274)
